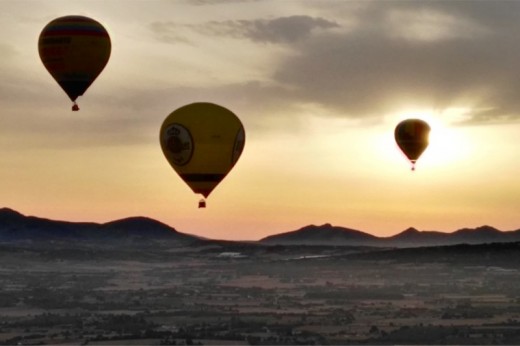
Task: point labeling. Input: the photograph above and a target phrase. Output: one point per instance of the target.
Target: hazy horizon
(254, 240)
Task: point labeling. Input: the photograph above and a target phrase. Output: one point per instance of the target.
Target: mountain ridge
(14, 226)
(321, 235)
(410, 237)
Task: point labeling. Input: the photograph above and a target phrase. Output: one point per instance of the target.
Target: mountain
(483, 233)
(141, 226)
(15, 226)
(321, 235)
(480, 235)
(411, 237)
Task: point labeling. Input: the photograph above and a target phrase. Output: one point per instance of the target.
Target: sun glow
(447, 143)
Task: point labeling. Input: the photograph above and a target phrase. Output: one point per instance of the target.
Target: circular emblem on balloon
(179, 143)
(240, 140)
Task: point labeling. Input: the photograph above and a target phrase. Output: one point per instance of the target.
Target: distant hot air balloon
(202, 142)
(74, 49)
(411, 136)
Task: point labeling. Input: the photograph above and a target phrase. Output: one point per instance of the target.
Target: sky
(319, 87)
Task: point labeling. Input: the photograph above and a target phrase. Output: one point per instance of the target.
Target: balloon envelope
(202, 142)
(74, 49)
(411, 136)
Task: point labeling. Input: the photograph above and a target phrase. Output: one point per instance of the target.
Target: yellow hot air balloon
(202, 142)
(74, 49)
(411, 136)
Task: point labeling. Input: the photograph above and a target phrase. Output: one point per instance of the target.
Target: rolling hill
(336, 236)
(16, 227)
(322, 235)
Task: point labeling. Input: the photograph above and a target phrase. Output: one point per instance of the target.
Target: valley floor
(267, 295)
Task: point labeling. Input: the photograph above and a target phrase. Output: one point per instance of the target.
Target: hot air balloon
(74, 49)
(202, 142)
(411, 136)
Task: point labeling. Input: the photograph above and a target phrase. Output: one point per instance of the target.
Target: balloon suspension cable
(202, 203)
(75, 107)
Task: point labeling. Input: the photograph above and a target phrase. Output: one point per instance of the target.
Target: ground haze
(233, 293)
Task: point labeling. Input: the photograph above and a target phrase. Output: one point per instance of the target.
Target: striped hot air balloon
(74, 49)
(411, 136)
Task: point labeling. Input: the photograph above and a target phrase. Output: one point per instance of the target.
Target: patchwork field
(265, 296)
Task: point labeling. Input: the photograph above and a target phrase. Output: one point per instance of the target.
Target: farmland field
(266, 296)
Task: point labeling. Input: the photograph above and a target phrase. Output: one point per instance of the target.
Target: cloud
(216, 2)
(397, 55)
(431, 25)
(459, 56)
(7, 51)
(279, 30)
(169, 32)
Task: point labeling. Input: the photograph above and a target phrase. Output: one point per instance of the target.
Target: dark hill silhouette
(414, 237)
(140, 227)
(489, 233)
(495, 256)
(17, 227)
(411, 237)
(321, 235)
(480, 235)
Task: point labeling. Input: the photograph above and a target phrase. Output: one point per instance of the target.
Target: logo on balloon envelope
(239, 145)
(179, 143)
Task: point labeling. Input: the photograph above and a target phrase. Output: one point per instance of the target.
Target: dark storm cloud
(366, 72)
(372, 70)
(278, 30)
(503, 14)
